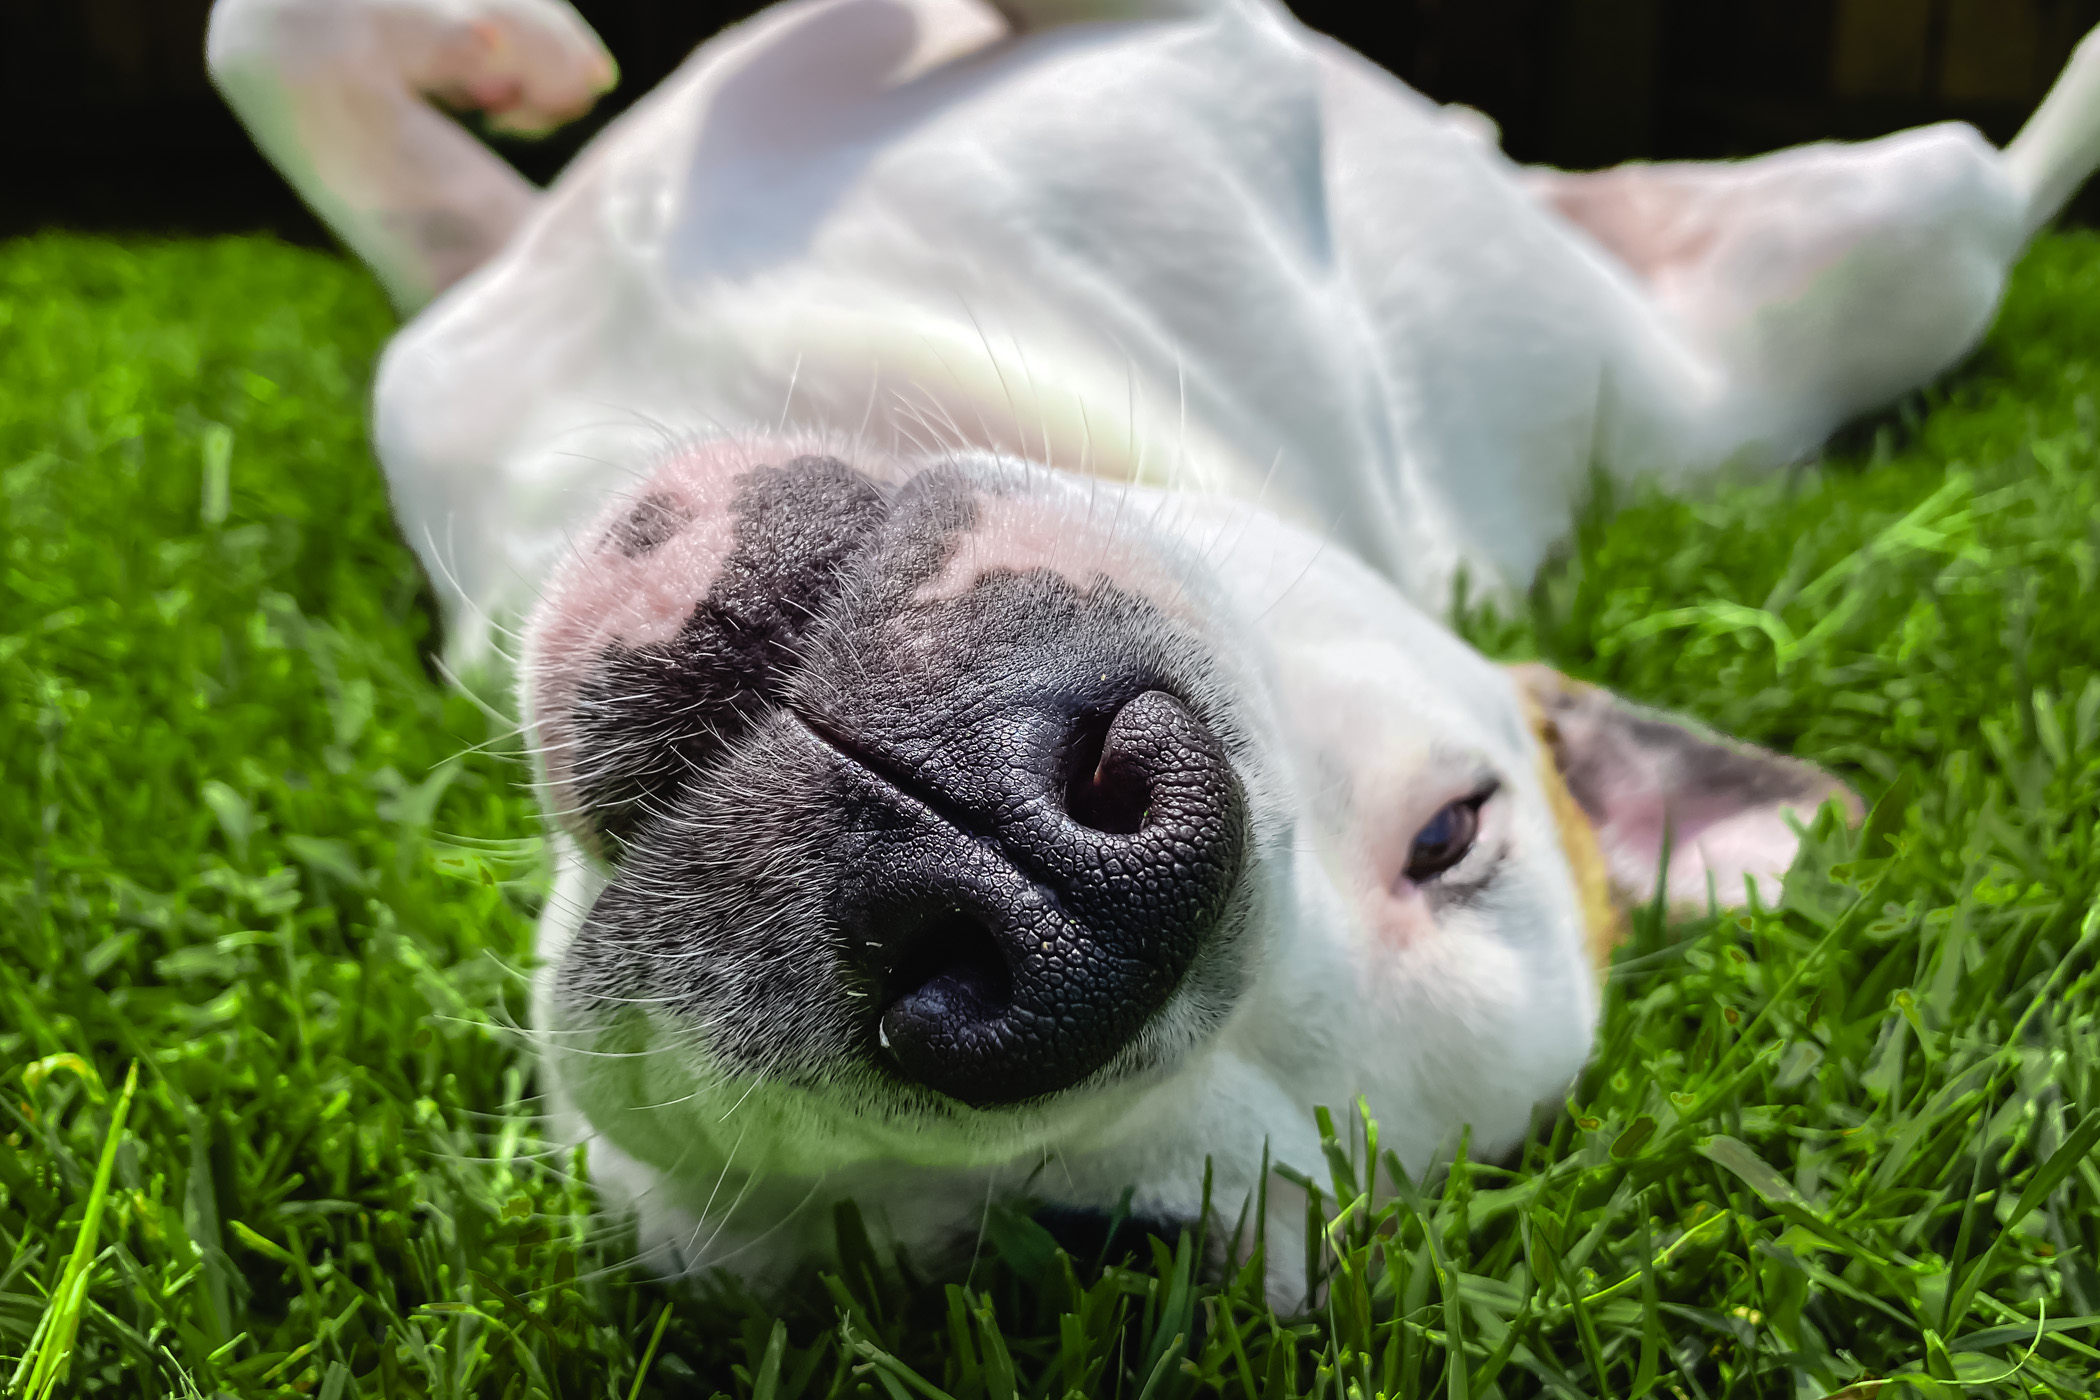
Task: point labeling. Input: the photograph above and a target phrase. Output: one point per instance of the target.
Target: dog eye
(1444, 841)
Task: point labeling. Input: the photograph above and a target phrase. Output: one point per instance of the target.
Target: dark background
(107, 121)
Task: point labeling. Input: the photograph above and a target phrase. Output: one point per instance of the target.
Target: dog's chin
(703, 1120)
(646, 1083)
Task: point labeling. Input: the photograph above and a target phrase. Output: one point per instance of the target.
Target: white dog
(979, 485)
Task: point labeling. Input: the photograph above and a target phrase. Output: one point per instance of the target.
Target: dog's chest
(1302, 286)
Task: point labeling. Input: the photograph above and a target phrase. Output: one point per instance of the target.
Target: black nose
(1028, 898)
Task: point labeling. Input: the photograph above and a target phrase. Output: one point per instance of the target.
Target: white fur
(1341, 345)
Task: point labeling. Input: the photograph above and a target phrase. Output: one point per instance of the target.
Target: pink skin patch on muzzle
(1087, 535)
(635, 578)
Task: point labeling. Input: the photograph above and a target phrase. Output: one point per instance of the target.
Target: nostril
(1106, 787)
(946, 963)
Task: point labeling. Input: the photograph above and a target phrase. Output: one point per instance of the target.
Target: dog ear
(1644, 779)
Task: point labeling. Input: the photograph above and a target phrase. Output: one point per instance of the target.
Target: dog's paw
(530, 65)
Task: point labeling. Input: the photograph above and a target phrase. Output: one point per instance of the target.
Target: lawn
(254, 852)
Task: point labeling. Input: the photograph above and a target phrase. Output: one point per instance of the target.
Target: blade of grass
(53, 1348)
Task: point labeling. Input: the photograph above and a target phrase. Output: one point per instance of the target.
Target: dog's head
(951, 813)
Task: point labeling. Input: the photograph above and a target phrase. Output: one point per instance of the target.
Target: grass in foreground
(248, 845)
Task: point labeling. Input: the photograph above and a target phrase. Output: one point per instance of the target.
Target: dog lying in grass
(978, 486)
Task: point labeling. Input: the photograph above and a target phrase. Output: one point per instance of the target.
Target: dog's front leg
(336, 94)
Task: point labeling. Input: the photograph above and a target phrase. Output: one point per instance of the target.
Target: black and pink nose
(988, 790)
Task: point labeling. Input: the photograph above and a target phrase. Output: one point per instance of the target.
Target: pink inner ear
(1725, 806)
(1759, 846)
(1711, 839)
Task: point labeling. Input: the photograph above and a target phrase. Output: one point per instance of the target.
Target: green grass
(248, 844)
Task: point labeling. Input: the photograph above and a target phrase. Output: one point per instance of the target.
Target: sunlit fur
(1250, 332)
